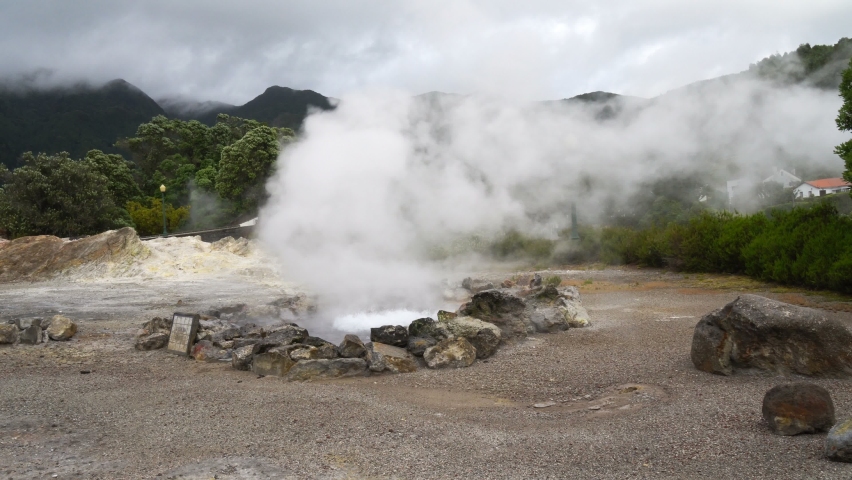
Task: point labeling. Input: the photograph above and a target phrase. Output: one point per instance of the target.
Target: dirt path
(617, 400)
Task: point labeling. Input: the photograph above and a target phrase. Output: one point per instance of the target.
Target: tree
(117, 170)
(57, 195)
(844, 122)
(246, 165)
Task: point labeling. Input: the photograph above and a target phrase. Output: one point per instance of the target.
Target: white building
(741, 187)
(823, 186)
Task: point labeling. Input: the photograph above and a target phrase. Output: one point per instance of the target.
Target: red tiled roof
(829, 183)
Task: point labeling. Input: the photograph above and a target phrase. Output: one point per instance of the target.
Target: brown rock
(450, 353)
(153, 341)
(797, 408)
(8, 333)
(381, 357)
(352, 347)
(61, 328)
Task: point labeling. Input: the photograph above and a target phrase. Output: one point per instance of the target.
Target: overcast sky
(231, 51)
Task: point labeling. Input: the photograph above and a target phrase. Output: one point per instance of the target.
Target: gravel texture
(620, 399)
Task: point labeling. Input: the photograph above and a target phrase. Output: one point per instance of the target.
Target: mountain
(277, 106)
(74, 119)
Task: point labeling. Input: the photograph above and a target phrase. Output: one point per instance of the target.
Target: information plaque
(184, 328)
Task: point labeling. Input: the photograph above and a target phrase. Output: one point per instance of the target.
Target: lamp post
(163, 195)
(575, 234)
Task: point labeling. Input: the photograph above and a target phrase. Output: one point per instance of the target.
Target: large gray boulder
(450, 353)
(838, 443)
(325, 368)
(797, 408)
(759, 333)
(503, 309)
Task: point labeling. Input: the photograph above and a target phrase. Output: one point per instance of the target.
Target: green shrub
(554, 280)
(149, 218)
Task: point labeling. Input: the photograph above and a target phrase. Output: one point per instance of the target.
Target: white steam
(359, 201)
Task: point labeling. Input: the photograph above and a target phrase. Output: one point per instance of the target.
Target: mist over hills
(75, 119)
(82, 117)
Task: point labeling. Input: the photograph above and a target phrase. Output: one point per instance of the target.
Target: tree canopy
(57, 195)
(844, 121)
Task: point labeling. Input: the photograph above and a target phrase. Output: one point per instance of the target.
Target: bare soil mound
(45, 256)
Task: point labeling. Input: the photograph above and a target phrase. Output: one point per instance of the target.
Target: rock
(395, 335)
(381, 357)
(575, 314)
(158, 324)
(251, 330)
(838, 443)
(486, 335)
(8, 333)
(242, 357)
(476, 286)
(325, 368)
(450, 353)
(30, 335)
(547, 295)
(352, 347)
(24, 323)
(287, 334)
(225, 335)
(756, 332)
(325, 350)
(264, 344)
(485, 342)
(502, 309)
(507, 284)
(304, 352)
(272, 363)
(153, 341)
(535, 281)
(205, 351)
(418, 345)
(797, 408)
(548, 320)
(61, 328)
(444, 315)
(426, 327)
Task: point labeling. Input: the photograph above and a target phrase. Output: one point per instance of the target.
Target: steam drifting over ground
(360, 204)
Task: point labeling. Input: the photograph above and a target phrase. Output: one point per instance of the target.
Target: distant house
(823, 186)
(741, 187)
(784, 178)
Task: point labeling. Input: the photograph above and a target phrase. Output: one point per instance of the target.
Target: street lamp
(163, 195)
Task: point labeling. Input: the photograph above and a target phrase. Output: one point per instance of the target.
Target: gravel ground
(626, 400)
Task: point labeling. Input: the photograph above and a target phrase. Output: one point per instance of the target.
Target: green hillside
(277, 107)
(75, 120)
